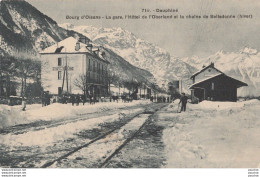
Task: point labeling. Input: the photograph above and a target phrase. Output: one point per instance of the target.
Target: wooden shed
(212, 84)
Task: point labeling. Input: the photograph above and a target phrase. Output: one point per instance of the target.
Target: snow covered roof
(203, 69)
(239, 83)
(68, 46)
(205, 79)
(65, 46)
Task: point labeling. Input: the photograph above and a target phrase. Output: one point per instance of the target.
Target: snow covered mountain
(24, 28)
(243, 65)
(138, 52)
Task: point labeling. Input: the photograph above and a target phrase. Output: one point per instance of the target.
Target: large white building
(71, 63)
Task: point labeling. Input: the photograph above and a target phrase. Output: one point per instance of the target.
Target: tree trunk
(22, 94)
(25, 78)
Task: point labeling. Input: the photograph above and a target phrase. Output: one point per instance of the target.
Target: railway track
(143, 117)
(40, 125)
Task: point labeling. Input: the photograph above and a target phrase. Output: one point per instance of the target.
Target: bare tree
(7, 70)
(81, 83)
(27, 67)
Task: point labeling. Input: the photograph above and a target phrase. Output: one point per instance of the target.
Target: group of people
(46, 98)
(76, 99)
(161, 99)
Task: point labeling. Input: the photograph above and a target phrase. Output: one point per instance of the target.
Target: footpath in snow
(13, 115)
(212, 135)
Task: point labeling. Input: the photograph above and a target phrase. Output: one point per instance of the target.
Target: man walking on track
(183, 101)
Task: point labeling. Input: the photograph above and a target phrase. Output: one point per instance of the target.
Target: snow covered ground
(13, 115)
(35, 147)
(207, 135)
(212, 135)
(96, 153)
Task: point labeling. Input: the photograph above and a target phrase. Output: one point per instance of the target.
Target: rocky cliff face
(23, 27)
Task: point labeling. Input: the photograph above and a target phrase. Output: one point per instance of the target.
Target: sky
(180, 37)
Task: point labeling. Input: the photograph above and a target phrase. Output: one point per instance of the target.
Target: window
(212, 86)
(59, 75)
(59, 62)
(89, 65)
(94, 63)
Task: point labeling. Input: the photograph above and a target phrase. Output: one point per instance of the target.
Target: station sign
(61, 68)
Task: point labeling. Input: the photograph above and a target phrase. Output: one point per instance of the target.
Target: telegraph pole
(1, 58)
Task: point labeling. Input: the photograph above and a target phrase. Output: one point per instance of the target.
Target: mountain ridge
(241, 65)
(138, 52)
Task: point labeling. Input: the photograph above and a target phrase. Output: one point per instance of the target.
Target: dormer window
(209, 70)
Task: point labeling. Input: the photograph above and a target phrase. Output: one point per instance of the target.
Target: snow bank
(59, 133)
(213, 135)
(10, 116)
(225, 105)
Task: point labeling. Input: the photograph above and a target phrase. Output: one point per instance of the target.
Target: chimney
(103, 54)
(83, 40)
(77, 47)
(89, 47)
(212, 64)
(96, 51)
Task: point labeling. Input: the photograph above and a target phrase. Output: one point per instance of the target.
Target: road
(125, 137)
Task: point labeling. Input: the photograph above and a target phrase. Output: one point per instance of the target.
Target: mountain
(124, 70)
(24, 28)
(138, 52)
(243, 65)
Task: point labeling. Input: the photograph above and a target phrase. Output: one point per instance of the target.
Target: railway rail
(149, 111)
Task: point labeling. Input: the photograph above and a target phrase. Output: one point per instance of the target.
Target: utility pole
(181, 86)
(65, 74)
(144, 92)
(67, 79)
(1, 80)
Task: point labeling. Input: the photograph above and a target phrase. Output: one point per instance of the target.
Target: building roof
(205, 68)
(237, 82)
(68, 46)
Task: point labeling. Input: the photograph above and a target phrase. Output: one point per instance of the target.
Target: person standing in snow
(47, 98)
(77, 99)
(43, 99)
(23, 104)
(183, 102)
(83, 98)
(72, 99)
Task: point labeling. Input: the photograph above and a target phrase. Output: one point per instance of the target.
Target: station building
(73, 66)
(212, 84)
